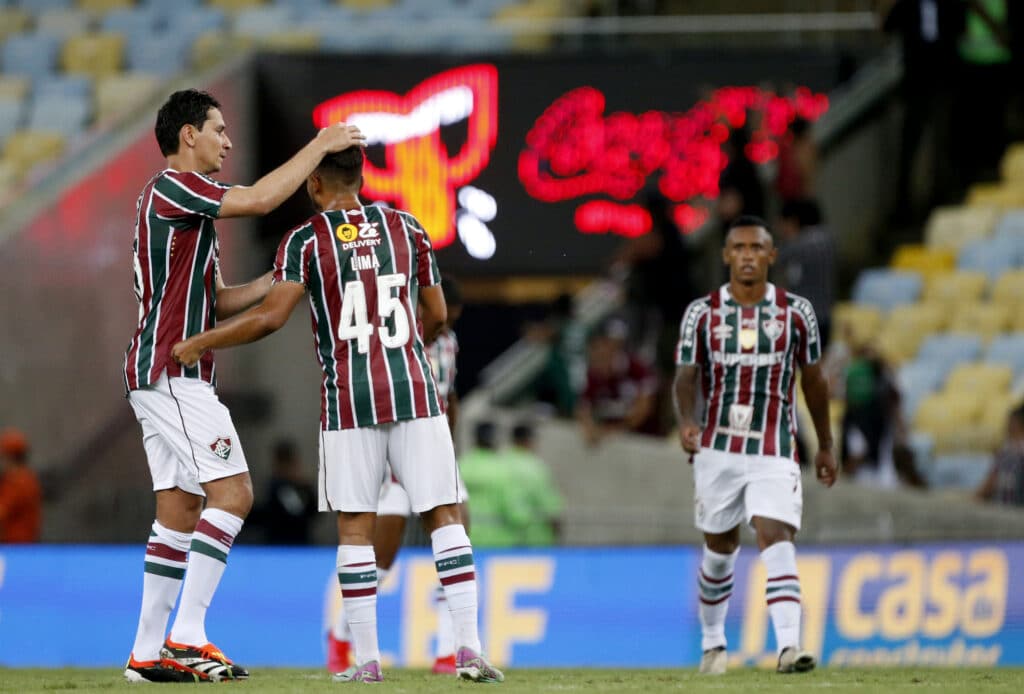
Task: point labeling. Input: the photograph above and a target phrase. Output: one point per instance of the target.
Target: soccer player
(741, 346)
(191, 444)
(394, 507)
(366, 270)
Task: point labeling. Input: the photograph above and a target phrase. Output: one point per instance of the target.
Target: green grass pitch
(827, 681)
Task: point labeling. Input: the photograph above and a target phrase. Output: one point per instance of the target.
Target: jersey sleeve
(291, 264)
(690, 350)
(428, 273)
(809, 343)
(182, 194)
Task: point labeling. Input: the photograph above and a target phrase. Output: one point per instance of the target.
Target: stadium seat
(1007, 349)
(949, 419)
(104, 6)
(991, 256)
(1011, 167)
(886, 288)
(163, 53)
(319, 19)
(990, 380)
(950, 349)
(290, 41)
(13, 87)
(301, 7)
(214, 46)
(37, 6)
(262, 21)
(67, 116)
(234, 6)
(168, 8)
(64, 22)
(13, 21)
(63, 87)
(855, 324)
(1009, 288)
(12, 115)
(133, 20)
(31, 55)
(121, 93)
(197, 22)
(1003, 195)
(955, 287)
(922, 259)
(916, 380)
(924, 318)
(958, 471)
(366, 5)
(983, 319)
(26, 148)
(96, 55)
(953, 227)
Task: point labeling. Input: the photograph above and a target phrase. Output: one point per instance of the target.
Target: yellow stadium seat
(955, 287)
(119, 94)
(982, 318)
(990, 429)
(897, 347)
(534, 18)
(214, 46)
(26, 148)
(923, 318)
(236, 5)
(855, 324)
(12, 21)
(1012, 165)
(950, 419)
(104, 6)
(95, 55)
(1009, 289)
(922, 259)
(991, 380)
(1010, 194)
(365, 5)
(13, 87)
(954, 227)
(288, 41)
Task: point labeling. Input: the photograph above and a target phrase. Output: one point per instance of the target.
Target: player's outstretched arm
(256, 323)
(233, 300)
(277, 186)
(815, 388)
(433, 312)
(684, 394)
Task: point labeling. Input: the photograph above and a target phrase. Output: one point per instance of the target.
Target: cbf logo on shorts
(221, 448)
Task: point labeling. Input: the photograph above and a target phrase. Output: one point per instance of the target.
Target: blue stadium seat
(12, 115)
(167, 8)
(197, 21)
(163, 53)
(31, 55)
(62, 114)
(37, 6)
(303, 7)
(63, 86)
(946, 350)
(958, 471)
(333, 19)
(1011, 223)
(992, 256)
(886, 288)
(1008, 349)
(133, 20)
(916, 380)
(364, 40)
(264, 21)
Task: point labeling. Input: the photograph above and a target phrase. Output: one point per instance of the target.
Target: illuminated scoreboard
(527, 166)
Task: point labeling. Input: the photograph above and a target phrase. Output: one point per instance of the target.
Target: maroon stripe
(708, 579)
(716, 601)
(331, 274)
(738, 444)
(713, 397)
(365, 563)
(784, 597)
(458, 578)
(769, 443)
(209, 529)
(787, 577)
(157, 549)
(408, 233)
(358, 592)
(452, 549)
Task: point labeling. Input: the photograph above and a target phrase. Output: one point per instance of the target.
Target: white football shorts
(187, 433)
(394, 500)
(730, 488)
(354, 465)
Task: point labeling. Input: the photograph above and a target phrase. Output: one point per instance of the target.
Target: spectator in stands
(21, 497)
(539, 489)
(290, 506)
(929, 31)
(871, 420)
(556, 384)
(499, 513)
(739, 187)
(1005, 481)
(806, 264)
(620, 390)
(797, 164)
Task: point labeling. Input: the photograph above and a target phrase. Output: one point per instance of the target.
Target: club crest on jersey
(773, 328)
(221, 448)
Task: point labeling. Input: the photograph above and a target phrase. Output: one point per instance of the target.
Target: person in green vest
(501, 511)
(534, 478)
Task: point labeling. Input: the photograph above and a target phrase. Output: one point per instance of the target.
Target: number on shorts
(355, 320)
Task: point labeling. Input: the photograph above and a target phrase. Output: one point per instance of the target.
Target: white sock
(163, 572)
(714, 584)
(340, 629)
(445, 628)
(453, 557)
(783, 593)
(357, 573)
(211, 542)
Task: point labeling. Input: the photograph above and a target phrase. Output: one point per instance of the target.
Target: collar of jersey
(726, 296)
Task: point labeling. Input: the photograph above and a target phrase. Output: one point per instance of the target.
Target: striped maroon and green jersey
(176, 254)
(441, 353)
(363, 268)
(749, 356)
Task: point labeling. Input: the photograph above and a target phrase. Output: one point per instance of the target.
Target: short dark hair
(486, 434)
(522, 433)
(749, 220)
(345, 167)
(806, 212)
(452, 291)
(185, 107)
